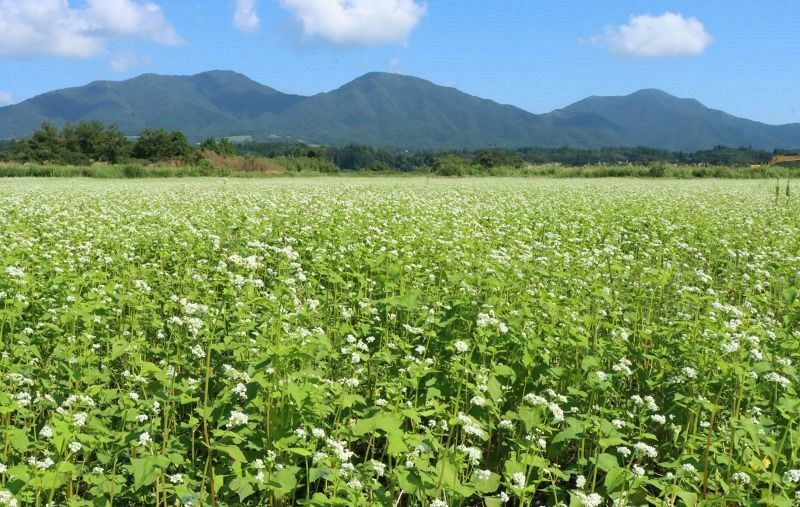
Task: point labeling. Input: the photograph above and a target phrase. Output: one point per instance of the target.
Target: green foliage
(224, 147)
(354, 342)
(158, 144)
(657, 171)
(79, 144)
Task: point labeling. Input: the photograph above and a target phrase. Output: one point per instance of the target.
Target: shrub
(133, 171)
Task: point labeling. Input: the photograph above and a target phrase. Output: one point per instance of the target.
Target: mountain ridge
(388, 110)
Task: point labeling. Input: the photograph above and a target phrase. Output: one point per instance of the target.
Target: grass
(247, 167)
(385, 341)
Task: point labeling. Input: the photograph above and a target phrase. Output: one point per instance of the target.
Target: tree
(158, 145)
(45, 144)
(226, 148)
(115, 146)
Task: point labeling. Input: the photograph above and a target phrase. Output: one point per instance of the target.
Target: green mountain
(655, 118)
(388, 110)
(211, 104)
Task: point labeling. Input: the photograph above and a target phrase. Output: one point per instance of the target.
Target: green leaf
(571, 432)
(19, 440)
(614, 478)
(489, 485)
(232, 451)
(242, 487)
(606, 462)
(144, 471)
(284, 481)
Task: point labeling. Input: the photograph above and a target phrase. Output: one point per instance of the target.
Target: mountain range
(388, 110)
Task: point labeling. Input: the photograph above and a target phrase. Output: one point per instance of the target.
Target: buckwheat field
(399, 342)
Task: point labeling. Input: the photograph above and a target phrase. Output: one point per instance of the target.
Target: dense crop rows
(398, 343)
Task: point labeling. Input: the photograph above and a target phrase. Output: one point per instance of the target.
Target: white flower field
(399, 341)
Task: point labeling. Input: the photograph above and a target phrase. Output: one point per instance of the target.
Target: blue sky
(739, 56)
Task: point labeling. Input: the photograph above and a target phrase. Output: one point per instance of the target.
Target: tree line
(90, 141)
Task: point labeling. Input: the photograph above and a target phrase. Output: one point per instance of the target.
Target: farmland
(399, 342)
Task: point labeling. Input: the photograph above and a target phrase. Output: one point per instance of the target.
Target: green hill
(388, 110)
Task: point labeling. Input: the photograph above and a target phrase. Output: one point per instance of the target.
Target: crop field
(399, 342)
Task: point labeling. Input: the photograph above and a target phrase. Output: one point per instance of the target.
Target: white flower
(624, 451)
(461, 346)
(778, 379)
(660, 419)
(240, 390)
(2, 468)
(98, 471)
(505, 424)
(144, 439)
(318, 433)
(24, 399)
(46, 432)
(75, 446)
(142, 418)
(638, 471)
(688, 467)
(558, 414)
(134, 396)
(197, 351)
(79, 419)
(438, 503)
(478, 401)
(645, 449)
(470, 427)
(590, 500)
(237, 419)
(580, 482)
(603, 376)
(380, 468)
(618, 423)
(741, 477)
(483, 475)
(175, 478)
(45, 463)
(355, 483)
(15, 272)
(534, 399)
(7, 499)
(473, 453)
(518, 479)
(504, 497)
(792, 476)
(730, 347)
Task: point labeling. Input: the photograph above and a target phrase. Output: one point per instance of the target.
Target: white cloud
(5, 98)
(357, 22)
(245, 17)
(55, 28)
(125, 59)
(648, 36)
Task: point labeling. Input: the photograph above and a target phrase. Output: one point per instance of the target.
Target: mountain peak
(651, 92)
(389, 110)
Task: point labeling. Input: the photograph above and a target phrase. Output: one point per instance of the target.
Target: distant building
(239, 139)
